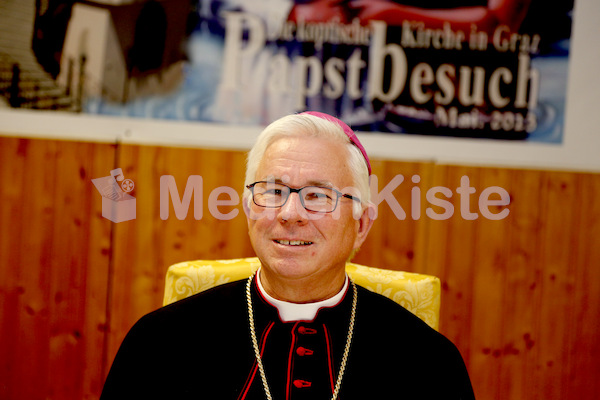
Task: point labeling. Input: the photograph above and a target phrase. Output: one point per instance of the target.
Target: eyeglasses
(313, 198)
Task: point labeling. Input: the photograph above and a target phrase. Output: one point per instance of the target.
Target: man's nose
(293, 210)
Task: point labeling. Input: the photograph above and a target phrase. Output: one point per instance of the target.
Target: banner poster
(468, 68)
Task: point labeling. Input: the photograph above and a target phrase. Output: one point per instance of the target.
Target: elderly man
(299, 328)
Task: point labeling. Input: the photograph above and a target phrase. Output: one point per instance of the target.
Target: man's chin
(289, 268)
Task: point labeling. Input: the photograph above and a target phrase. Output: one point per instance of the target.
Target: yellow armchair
(420, 294)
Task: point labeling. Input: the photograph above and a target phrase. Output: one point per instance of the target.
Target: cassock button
(301, 351)
(299, 383)
(306, 331)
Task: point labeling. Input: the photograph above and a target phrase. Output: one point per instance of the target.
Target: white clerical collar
(304, 311)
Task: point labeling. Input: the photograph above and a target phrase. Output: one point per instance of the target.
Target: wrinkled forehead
(306, 160)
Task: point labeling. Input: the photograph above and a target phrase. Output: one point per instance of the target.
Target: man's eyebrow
(320, 183)
(314, 182)
(271, 179)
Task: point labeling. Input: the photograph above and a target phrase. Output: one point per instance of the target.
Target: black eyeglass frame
(292, 190)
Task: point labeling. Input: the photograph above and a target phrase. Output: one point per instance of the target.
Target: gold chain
(261, 368)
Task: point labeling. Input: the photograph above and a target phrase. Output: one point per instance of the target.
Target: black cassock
(200, 348)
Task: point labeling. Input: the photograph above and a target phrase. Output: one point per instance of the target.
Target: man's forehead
(286, 180)
(318, 149)
(305, 161)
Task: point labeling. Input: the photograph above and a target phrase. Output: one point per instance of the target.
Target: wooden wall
(521, 296)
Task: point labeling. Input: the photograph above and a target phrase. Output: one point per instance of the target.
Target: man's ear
(365, 222)
(246, 205)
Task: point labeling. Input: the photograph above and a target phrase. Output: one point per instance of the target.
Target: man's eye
(273, 192)
(317, 196)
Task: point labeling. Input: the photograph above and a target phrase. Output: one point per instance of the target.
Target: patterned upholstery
(420, 294)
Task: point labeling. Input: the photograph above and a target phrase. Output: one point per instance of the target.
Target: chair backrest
(420, 294)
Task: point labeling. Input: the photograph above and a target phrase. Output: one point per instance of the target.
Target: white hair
(310, 125)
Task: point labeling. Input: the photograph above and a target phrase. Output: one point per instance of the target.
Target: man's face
(296, 245)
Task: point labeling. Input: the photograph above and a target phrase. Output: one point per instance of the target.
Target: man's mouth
(293, 242)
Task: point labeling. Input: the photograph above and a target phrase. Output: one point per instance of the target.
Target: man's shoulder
(399, 347)
(223, 293)
(392, 323)
(383, 311)
(221, 301)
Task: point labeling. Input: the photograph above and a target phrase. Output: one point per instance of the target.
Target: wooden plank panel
(490, 348)
(30, 337)
(450, 256)
(13, 158)
(54, 300)
(583, 349)
(397, 237)
(145, 247)
(522, 295)
(79, 265)
(557, 282)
